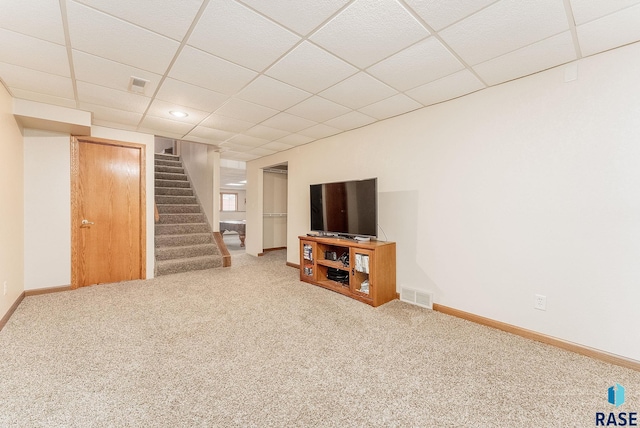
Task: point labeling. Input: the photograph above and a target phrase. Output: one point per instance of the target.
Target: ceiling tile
(41, 98)
(261, 131)
(245, 157)
(165, 125)
(244, 110)
(36, 18)
(240, 35)
(295, 139)
(100, 71)
(421, 63)
(226, 123)
(441, 13)
(261, 151)
(596, 36)
(36, 81)
(504, 27)
(188, 95)
(288, 122)
(159, 108)
(277, 146)
(588, 10)
(358, 91)
(112, 115)
(374, 29)
(103, 35)
(229, 146)
(453, 86)
(211, 134)
(320, 131)
(350, 120)
(206, 141)
(114, 125)
(167, 17)
(272, 93)
(247, 140)
(318, 109)
(43, 56)
(393, 106)
(531, 59)
(301, 18)
(106, 97)
(310, 68)
(202, 69)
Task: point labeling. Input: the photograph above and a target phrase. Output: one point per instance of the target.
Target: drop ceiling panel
(43, 56)
(350, 120)
(595, 36)
(441, 13)
(320, 131)
(107, 97)
(202, 69)
(226, 123)
(210, 134)
(112, 115)
(453, 86)
(374, 29)
(167, 17)
(265, 132)
(103, 35)
(172, 126)
(318, 109)
(272, 93)
(393, 106)
(295, 139)
(36, 81)
(159, 108)
(238, 34)
(246, 140)
(300, 18)
(504, 27)
(192, 96)
(358, 91)
(538, 56)
(277, 146)
(288, 122)
(244, 110)
(42, 98)
(421, 63)
(100, 71)
(310, 68)
(588, 10)
(37, 18)
(261, 151)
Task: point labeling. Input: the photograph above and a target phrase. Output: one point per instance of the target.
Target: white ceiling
(260, 76)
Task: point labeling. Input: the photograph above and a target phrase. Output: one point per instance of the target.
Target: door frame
(75, 202)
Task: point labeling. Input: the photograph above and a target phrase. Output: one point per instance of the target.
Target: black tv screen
(345, 208)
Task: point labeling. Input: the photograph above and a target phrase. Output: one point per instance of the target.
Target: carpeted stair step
(178, 208)
(170, 169)
(182, 218)
(172, 183)
(174, 191)
(182, 200)
(171, 253)
(183, 240)
(181, 229)
(166, 156)
(170, 176)
(161, 162)
(166, 267)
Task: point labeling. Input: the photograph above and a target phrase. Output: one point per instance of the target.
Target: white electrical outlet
(540, 302)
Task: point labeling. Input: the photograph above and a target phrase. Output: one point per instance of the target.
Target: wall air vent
(415, 297)
(136, 84)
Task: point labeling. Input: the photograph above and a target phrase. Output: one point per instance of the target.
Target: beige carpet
(252, 346)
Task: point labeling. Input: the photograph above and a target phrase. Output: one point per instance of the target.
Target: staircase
(184, 240)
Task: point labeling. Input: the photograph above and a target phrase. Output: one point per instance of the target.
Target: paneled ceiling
(261, 76)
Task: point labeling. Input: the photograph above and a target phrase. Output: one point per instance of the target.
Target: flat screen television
(348, 208)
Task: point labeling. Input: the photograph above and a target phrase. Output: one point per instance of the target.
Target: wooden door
(108, 212)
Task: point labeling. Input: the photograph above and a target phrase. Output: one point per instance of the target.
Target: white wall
(11, 205)
(47, 209)
(524, 188)
(202, 163)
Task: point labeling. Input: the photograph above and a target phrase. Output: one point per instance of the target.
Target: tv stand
(369, 275)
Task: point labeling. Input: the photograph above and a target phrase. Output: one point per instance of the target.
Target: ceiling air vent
(136, 84)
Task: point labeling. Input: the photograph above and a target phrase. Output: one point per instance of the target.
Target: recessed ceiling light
(178, 113)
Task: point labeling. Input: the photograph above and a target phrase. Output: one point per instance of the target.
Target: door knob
(87, 222)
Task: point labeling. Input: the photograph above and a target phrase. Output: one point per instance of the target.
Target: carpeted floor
(251, 345)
